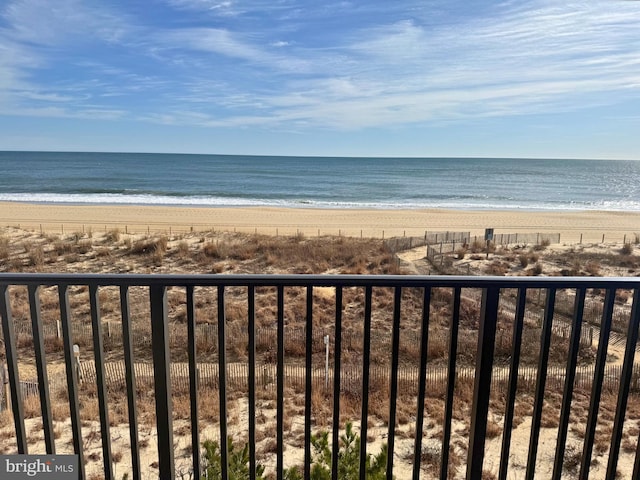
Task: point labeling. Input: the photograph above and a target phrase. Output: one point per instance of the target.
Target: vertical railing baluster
(101, 386)
(222, 375)
(337, 354)
(625, 384)
(251, 330)
(451, 383)
(72, 380)
(280, 386)
(193, 380)
(131, 382)
(596, 387)
(543, 361)
(393, 387)
(308, 382)
(516, 344)
(482, 387)
(12, 365)
(43, 380)
(570, 375)
(422, 382)
(162, 380)
(366, 358)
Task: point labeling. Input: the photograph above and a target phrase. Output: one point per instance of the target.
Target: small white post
(76, 360)
(326, 361)
(4, 380)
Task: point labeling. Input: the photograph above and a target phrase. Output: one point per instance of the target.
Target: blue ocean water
(314, 182)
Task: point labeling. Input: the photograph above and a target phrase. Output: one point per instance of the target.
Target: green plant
(348, 459)
(238, 461)
(626, 249)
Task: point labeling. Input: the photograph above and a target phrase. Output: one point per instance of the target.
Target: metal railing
(495, 305)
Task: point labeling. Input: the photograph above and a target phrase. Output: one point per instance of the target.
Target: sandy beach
(590, 226)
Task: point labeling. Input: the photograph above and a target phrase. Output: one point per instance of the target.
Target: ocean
(319, 182)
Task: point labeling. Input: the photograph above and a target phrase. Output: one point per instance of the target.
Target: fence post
(76, 362)
(326, 361)
(4, 376)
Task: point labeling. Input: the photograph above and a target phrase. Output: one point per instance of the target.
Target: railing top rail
(315, 280)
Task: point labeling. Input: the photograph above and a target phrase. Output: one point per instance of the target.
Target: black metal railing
(504, 302)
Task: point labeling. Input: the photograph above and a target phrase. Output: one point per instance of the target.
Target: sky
(420, 78)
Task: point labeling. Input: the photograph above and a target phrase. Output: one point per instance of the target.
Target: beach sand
(588, 226)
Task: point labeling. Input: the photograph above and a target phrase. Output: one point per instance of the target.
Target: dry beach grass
(118, 251)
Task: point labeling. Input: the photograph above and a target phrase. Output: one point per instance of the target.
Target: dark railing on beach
(499, 297)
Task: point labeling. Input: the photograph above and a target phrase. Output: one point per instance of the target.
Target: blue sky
(286, 77)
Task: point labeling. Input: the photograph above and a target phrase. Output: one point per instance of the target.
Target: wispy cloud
(338, 65)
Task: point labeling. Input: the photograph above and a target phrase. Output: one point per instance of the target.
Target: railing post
(162, 380)
(72, 383)
(308, 382)
(193, 380)
(451, 380)
(598, 376)
(12, 366)
(366, 357)
(131, 382)
(482, 388)
(43, 380)
(337, 358)
(422, 385)
(623, 392)
(222, 384)
(101, 381)
(393, 381)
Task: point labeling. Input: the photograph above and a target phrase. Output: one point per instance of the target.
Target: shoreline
(588, 225)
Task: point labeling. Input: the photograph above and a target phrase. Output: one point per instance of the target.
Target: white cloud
(278, 64)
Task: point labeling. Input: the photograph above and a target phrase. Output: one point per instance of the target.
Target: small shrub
(238, 461)
(537, 269)
(84, 246)
(36, 256)
(627, 249)
(461, 252)
(4, 248)
(572, 458)
(103, 252)
(183, 249)
(348, 458)
(150, 246)
(61, 247)
(477, 246)
(592, 268)
(497, 268)
(524, 260)
(211, 250)
(112, 235)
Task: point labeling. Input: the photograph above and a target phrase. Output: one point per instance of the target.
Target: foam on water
(303, 182)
